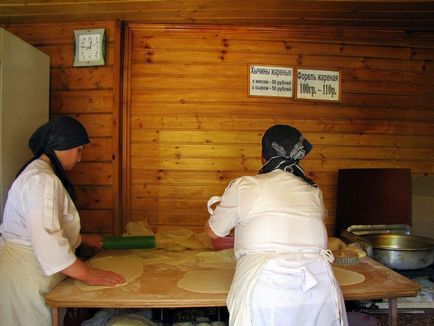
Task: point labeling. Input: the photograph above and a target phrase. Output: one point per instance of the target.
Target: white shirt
(39, 213)
(276, 211)
(279, 235)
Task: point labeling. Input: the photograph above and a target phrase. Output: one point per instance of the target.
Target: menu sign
(270, 81)
(318, 85)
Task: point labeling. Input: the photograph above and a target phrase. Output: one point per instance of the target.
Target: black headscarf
(61, 133)
(283, 147)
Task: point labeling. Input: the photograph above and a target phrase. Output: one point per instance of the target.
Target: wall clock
(89, 47)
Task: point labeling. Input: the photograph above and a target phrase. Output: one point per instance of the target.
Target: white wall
(423, 206)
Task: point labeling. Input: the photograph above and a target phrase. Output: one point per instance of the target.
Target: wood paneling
(97, 220)
(91, 95)
(360, 13)
(82, 101)
(190, 127)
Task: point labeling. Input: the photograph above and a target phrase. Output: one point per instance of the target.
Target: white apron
(285, 289)
(23, 286)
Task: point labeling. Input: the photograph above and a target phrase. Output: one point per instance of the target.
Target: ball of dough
(335, 244)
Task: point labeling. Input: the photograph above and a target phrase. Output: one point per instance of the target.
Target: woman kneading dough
(41, 227)
(283, 274)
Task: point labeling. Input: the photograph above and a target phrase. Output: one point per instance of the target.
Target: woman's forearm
(80, 271)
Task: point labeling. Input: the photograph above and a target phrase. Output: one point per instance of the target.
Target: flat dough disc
(347, 277)
(207, 281)
(130, 267)
(223, 259)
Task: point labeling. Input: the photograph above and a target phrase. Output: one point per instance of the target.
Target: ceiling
(386, 14)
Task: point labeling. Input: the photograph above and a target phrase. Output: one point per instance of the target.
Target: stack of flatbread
(340, 248)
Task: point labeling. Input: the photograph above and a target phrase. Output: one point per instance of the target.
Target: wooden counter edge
(411, 290)
(165, 304)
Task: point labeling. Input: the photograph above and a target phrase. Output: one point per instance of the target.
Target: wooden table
(157, 286)
(380, 283)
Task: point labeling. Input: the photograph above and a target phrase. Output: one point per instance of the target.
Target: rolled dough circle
(207, 281)
(130, 267)
(347, 277)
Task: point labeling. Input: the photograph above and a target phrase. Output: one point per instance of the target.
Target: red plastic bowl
(223, 243)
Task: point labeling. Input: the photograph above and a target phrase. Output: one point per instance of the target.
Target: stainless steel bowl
(401, 251)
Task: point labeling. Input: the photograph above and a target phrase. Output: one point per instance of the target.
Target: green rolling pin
(133, 242)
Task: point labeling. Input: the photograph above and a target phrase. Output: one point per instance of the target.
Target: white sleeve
(45, 197)
(227, 213)
(321, 202)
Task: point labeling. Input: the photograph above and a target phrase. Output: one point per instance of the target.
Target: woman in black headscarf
(282, 148)
(41, 226)
(283, 274)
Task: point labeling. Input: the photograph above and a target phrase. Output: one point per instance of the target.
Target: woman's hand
(80, 271)
(101, 277)
(92, 240)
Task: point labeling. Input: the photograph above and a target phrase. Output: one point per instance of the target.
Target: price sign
(270, 81)
(318, 85)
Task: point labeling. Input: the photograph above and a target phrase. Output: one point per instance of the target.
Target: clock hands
(87, 47)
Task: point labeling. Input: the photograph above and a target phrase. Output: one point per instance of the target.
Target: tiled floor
(409, 319)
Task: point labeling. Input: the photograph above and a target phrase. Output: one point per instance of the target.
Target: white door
(24, 103)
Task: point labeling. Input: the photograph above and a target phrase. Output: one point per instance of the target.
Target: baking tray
(379, 228)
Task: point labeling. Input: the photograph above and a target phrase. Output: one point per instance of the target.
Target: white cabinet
(24, 103)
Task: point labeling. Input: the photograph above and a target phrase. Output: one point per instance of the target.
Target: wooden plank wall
(90, 94)
(190, 127)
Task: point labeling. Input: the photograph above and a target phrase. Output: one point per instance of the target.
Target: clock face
(89, 47)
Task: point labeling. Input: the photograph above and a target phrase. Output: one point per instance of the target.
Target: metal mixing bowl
(402, 251)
